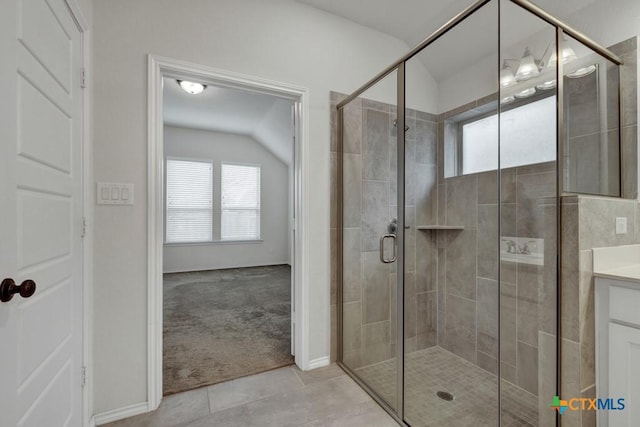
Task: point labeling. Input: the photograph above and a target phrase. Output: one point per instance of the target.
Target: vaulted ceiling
(413, 20)
(265, 118)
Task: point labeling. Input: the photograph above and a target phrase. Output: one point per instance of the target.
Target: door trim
(87, 211)
(158, 68)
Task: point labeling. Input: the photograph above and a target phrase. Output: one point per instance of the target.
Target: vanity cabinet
(618, 349)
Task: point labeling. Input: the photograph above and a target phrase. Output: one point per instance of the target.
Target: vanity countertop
(617, 263)
(627, 274)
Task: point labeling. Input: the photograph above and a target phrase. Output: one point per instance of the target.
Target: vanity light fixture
(528, 68)
(567, 55)
(526, 93)
(551, 84)
(581, 72)
(507, 100)
(506, 76)
(191, 87)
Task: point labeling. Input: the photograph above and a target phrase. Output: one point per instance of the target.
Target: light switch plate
(621, 225)
(112, 193)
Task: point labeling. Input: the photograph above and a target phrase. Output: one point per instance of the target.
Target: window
(189, 201)
(522, 141)
(240, 202)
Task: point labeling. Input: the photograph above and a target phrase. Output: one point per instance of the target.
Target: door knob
(8, 288)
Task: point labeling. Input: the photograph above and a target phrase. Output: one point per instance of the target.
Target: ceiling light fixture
(191, 87)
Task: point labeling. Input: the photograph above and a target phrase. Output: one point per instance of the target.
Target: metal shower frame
(399, 66)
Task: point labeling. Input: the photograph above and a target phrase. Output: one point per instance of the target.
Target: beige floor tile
(255, 387)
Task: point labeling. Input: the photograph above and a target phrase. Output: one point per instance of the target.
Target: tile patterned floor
(327, 397)
(475, 390)
(323, 397)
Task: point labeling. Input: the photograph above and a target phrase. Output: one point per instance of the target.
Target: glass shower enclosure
(451, 167)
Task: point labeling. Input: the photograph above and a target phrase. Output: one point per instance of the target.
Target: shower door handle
(394, 257)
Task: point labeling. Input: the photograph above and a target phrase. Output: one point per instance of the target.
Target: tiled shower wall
(370, 204)
(468, 288)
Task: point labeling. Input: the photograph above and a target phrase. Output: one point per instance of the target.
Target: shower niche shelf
(440, 227)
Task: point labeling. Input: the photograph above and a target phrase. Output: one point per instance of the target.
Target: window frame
(259, 210)
(166, 204)
(459, 166)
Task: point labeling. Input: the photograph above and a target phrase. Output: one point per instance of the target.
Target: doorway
(227, 260)
(263, 291)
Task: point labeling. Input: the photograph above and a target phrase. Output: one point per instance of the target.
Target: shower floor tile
(474, 390)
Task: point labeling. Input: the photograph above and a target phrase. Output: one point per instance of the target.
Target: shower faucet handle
(393, 226)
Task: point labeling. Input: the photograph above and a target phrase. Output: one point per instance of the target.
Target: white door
(41, 213)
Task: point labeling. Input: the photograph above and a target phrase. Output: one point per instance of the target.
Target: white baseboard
(92, 422)
(319, 362)
(120, 414)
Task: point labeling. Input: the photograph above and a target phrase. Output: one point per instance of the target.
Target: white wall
(274, 182)
(279, 40)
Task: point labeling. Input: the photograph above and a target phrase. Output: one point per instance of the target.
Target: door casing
(158, 68)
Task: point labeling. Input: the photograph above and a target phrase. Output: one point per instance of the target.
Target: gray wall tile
(426, 261)
(375, 213)
(488, 188)
(426, 196)
(597, 222)
(488, 241)
(375, 153)
(461, 263)
(461, 201)
(353, 127)
(410, 305)
(528, 308)
(427, 318)
(426, 142)
(352, 266)
(460, 327)
(375, 285)
(508, 330)
(487, 316)
(527, 368)
(352, 326)
(352, 215)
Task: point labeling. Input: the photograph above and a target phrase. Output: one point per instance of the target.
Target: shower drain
(445, 396)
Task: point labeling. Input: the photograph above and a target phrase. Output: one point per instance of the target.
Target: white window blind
(240, 202)
(189, 201)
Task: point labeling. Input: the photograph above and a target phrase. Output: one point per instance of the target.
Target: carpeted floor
(225, 324)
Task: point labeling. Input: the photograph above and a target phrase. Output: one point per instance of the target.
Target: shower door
(371, 240)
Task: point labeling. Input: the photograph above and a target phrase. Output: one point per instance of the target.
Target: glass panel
(528, 213)
(592, 122)
(369, 194)
(451, 268)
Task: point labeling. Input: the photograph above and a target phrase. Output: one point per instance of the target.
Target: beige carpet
(225, 324)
